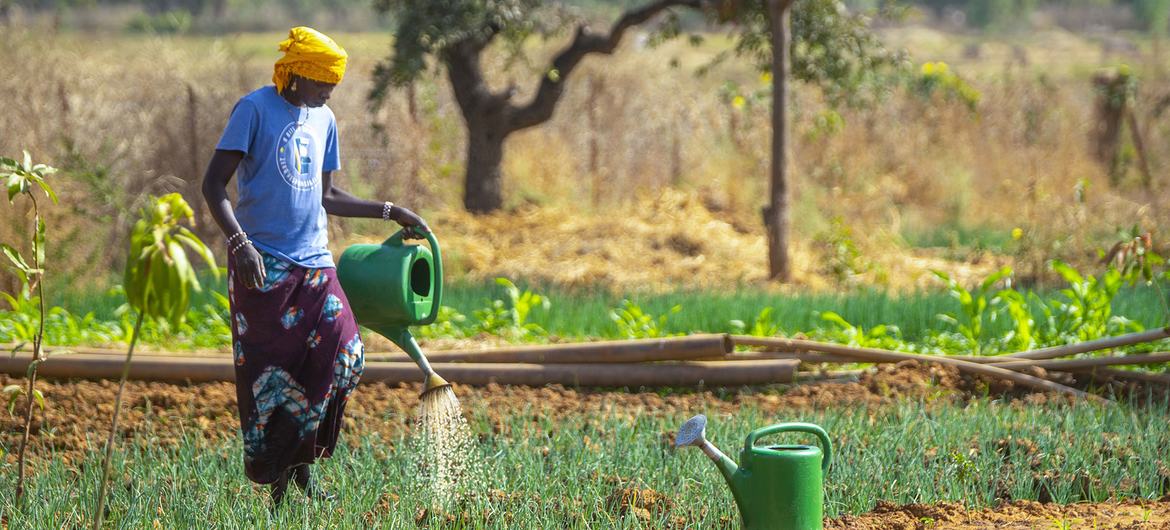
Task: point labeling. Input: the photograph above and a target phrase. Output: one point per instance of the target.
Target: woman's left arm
(342, 203)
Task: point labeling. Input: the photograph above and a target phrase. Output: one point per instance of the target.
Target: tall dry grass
(131, 116)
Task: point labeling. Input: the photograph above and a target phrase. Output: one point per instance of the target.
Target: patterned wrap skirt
(298, 357)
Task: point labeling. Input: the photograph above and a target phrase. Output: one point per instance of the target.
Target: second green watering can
(392, 286)
(776, 487)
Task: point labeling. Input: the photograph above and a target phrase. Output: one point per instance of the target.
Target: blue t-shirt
(285, 150)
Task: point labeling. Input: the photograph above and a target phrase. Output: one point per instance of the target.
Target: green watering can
(777, 487)
(393, 286)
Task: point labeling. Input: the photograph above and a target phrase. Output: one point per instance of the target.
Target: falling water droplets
(443, 448)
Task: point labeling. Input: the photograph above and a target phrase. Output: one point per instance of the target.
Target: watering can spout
(402, 337)
(693, 433)
(726, 466)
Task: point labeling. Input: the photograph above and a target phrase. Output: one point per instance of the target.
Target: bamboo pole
(1092, 345)
(801, 345)
(1070, 364)
(205, 369)
(875, 355)
(614, 351)
(143, 368)
(683, 374)
(804, 357)
(848, 354)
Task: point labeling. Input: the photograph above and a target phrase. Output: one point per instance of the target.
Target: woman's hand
(250, 266)
(409, 220)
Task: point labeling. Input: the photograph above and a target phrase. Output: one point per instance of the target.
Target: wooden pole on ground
(1092, 345)
(1071, 364)
(613, 351)
(875, 355)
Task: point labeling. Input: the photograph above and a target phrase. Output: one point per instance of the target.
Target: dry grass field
(657, 173)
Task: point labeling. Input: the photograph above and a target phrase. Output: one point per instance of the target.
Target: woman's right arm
(223, 165)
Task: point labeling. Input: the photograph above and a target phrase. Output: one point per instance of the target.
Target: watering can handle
(810, 428)
(396, 240)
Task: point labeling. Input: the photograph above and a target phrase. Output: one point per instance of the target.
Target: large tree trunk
(491, 116)
(482, 191)
(776, 213)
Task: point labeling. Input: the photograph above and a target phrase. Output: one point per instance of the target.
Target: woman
(298, 355)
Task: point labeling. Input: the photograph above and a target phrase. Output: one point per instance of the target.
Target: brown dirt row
(1017, 515)
(76, 410)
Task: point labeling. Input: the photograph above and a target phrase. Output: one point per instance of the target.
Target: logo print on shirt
(295, 152)
(304, 160)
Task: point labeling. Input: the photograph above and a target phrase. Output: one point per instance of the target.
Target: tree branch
(540, 109)
(466, 75)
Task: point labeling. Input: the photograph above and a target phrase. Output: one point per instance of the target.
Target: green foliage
(509, 318)
(634, 323)
(205, 326)
(938, 78)
(430, 27)
(1086, 310)
(20, 176)
(973, 304)
(20, 324)
(12, 394)
(831, 48)
(1022, 335)
(159, 278)
(449, 323)
(842, 331)
(762, 326)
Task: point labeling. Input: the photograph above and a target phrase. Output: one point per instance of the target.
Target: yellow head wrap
(309, 54)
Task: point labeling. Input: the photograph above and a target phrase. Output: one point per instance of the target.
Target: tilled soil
(1017, 515)
(76, 410)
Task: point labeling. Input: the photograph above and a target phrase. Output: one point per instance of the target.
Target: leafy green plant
(1022, 335)
(21, 178)
(12, 393)
(634, 323)
(1086, 310)
(448, 323)
(158, 281)
(20, 324)
(973, 304)
(509, 317)
(880, 336)
(762, 326)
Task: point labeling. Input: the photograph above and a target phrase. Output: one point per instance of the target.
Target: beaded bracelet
(386, 208)
(240, 245)
(235, 235)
